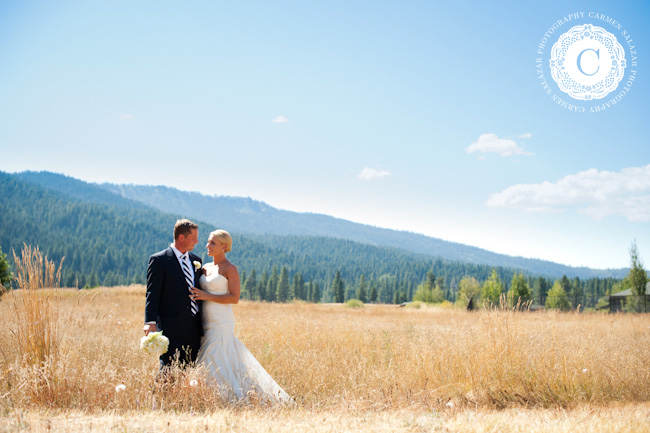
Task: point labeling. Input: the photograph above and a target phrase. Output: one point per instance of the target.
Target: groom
(169, 308)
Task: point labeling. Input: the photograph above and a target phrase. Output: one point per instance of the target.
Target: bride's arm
(234, 287)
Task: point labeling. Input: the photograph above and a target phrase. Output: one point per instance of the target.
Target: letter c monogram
(579, 61)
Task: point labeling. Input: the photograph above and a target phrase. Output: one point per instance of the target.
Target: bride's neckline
(214, 272)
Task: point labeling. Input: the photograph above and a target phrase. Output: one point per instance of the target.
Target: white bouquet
(154, 344)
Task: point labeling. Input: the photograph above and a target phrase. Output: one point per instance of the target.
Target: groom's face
(187, 243)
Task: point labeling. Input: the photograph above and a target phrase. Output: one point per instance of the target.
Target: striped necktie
(189, 278)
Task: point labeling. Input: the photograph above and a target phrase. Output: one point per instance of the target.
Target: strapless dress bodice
(214, 283)
(214, 313)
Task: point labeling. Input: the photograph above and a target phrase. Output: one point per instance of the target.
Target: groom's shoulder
(162, 253)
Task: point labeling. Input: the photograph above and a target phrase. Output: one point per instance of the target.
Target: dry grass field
(375, 368)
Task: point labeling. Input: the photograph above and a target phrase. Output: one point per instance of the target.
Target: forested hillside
(245, 215)
(102, 244)
(109, 243)
(106, 239)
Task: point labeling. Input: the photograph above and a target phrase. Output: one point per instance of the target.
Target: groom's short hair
(184, 227)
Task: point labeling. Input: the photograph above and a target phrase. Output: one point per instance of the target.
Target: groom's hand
(149, 327)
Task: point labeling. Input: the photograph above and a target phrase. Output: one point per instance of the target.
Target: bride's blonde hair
(224, 237)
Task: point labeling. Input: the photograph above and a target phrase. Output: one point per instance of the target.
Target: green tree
(429, 290)
(250, 285)
(361, 290)
(373, 294)
(577, 292)
(636, 280)
(272, 285)
(298, 286)
(399, 297)
(5, 270)
(557, 298)
(437, 294)
(283, 286)
(540, 288)
(468, 288)
(338, 288)
(519, 290)
(566, 286)
(315, 292)
(492, 288)
(242, 278)
(261, 286)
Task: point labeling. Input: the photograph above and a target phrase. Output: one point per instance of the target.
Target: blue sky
(415, 115)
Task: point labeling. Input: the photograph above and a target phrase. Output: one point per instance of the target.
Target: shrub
(354, 303)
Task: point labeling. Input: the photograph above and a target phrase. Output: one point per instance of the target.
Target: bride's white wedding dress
(229, 363)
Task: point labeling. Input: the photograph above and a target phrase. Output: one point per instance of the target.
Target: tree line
(109, 243)
(564, 293)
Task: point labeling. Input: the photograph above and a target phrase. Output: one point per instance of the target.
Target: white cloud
(525, 135)
(371, 173)
(280, 119)
(126, 117)
(595, 193)
(491, 143)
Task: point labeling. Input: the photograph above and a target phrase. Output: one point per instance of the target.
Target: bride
(229, 363)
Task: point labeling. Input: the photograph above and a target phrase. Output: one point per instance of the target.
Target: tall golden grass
(332, 358)
(33, 332)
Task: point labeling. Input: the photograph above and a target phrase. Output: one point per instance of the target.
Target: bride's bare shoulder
(229, 269)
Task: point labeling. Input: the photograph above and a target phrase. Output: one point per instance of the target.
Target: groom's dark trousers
(169, 305)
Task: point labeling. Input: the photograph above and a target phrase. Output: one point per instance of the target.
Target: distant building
(617, 300)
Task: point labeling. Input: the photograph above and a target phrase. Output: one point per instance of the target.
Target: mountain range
(265, 224)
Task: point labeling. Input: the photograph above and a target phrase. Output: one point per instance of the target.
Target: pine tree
(431, 279)
(410, 290)
(250, 286)
(283, 286)
(373, 294)
(577, 291)
(566, 284)
(5, 271)
(540, 289)
(261, 286)
(338, 288)
(636, 280)
(315, 293)
(243, 293)
(298, 286)
(399, 297)
(361, 290)
(349, 292)
(272, 285)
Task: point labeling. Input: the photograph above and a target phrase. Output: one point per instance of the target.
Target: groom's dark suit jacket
(168, 302)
